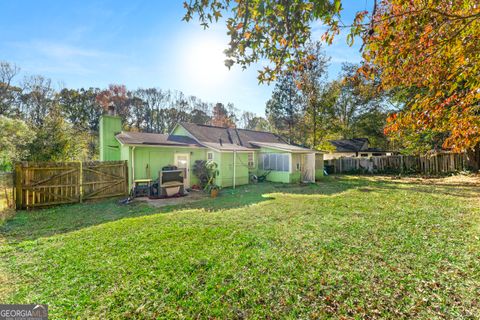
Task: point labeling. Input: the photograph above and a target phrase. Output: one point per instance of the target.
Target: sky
(141, 44)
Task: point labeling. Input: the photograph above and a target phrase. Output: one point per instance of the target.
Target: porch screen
(274, 161)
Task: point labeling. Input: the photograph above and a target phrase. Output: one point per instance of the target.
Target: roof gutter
(160, 145)
(266, 145)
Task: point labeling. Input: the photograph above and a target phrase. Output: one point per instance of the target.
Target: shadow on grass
(465, 190)
(31, 225)
(251, 194)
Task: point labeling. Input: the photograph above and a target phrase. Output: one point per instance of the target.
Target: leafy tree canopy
(15, 135)
(283, 110)
(429, 49)
(272, 29)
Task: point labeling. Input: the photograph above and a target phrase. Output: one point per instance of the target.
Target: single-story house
(356, 148)
(238, 153)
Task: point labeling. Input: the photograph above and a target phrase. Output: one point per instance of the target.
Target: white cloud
(60, 58)
(59, 50)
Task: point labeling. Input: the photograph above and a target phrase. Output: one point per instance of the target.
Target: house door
(308, 167)
(182, 162)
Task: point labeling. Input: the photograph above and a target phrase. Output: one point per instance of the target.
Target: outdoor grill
(170, 183)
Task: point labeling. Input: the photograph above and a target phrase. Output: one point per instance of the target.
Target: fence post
(80, 182)
(13, 188)
(18, 186)
(125, 170)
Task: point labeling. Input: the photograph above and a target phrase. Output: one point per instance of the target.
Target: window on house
(275, 162)
(364, 155)
(209, 155)
(251, 163)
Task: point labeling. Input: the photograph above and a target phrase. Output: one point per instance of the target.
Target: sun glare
(205, 63)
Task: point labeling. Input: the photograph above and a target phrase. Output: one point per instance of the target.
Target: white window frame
(251, 162)
(209, 153)
(276, 161)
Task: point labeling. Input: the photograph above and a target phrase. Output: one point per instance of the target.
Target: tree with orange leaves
(431, 50)
(221, 116)
(428, 49)
(115, 96)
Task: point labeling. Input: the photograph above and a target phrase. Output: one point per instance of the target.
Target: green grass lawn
(352, 247)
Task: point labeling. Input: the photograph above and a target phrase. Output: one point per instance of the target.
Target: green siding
(225, 165)
(295, 177)
(150, 160)
(181, 131)
(109, 146)
(277, 176)
(125, 154)
(158, 157)
(274, 176)
(254, 169)
(217, 158)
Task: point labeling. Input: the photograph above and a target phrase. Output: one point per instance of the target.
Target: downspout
(133, 165)
(234, 168)
(313, 166)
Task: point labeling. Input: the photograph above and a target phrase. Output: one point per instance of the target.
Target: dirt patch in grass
(454, 180)
(365, 190)
(192, 196)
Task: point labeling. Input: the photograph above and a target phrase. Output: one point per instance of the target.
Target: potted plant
(211, 169)
(201, 172)
(214, 190)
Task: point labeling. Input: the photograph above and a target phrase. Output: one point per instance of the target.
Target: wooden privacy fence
(49, 183)
(439, 163)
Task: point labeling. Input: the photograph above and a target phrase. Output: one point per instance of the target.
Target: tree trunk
(314, 127)
(473, 156)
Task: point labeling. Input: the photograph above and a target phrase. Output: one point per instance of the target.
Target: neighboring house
(357, 147)
(237, 152)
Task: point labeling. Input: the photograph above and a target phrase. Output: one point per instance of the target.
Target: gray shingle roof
(219, 138)
(281, 146)
(350, 145)
(226, 146)
(156, 139)
(224, 136)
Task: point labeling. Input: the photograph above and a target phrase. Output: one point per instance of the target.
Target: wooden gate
(50, 183)
(104, 179)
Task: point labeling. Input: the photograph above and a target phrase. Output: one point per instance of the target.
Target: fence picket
(438, 163)
(49, 183)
